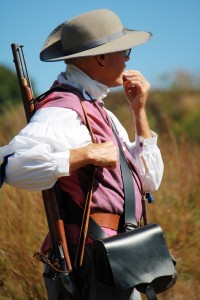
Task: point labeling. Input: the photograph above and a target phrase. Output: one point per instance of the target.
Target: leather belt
(107, 220)
(73, 214)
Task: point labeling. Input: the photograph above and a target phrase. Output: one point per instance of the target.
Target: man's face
(114, 68)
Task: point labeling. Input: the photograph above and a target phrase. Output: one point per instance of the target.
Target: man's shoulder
(58, 96)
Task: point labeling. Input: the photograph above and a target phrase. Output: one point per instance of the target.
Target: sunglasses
(127, 53)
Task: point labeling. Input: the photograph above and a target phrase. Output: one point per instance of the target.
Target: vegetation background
(174, 113)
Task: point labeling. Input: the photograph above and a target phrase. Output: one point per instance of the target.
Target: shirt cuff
(62, 164)
(145, 145)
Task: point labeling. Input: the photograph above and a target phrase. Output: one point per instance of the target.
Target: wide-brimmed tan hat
(92, 33)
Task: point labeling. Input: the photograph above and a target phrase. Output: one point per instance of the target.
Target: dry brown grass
(176, 208)
(23, 226)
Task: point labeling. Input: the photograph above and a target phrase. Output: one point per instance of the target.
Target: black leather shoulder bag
(138, 257)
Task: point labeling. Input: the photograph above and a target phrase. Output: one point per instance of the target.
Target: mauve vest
(108, 195)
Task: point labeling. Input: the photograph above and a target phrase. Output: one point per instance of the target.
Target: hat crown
(89, 27)
(93, 33)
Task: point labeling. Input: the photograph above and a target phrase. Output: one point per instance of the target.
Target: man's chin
(117, 83)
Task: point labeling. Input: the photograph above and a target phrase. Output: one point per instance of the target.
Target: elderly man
(57, 146)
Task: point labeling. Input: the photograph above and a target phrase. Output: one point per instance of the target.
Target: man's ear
(101, 60)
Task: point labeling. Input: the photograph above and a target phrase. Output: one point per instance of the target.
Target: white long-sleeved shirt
(41, 150)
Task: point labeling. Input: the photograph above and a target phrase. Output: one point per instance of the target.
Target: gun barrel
(17, 61)
(26, 92)
(27, 73)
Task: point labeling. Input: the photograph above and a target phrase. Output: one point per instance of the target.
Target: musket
(51, 197)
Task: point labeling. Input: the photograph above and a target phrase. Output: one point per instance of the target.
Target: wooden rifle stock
(50, 196)
(51, 199)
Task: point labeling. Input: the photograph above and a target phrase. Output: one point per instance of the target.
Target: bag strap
(129, 191)
(150, 293)
(130, 216)
(126, 169)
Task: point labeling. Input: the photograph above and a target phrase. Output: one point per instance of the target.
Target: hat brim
(52, 51)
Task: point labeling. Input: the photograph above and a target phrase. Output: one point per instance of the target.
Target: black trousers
(87, 284)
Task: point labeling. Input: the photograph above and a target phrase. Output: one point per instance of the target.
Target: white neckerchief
(77, 78)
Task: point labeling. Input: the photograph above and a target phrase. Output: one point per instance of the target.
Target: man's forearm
(101, 155)
(142, 125)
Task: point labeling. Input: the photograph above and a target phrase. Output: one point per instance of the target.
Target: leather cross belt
(107, 220)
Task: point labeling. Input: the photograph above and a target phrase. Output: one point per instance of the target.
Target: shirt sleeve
(41, 149)
(146, 155)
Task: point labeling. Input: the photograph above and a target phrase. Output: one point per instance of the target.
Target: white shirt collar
(80, 80)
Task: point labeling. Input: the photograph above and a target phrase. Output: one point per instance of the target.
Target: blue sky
(175, 25)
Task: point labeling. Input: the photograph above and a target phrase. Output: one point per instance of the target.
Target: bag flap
(138, 256)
